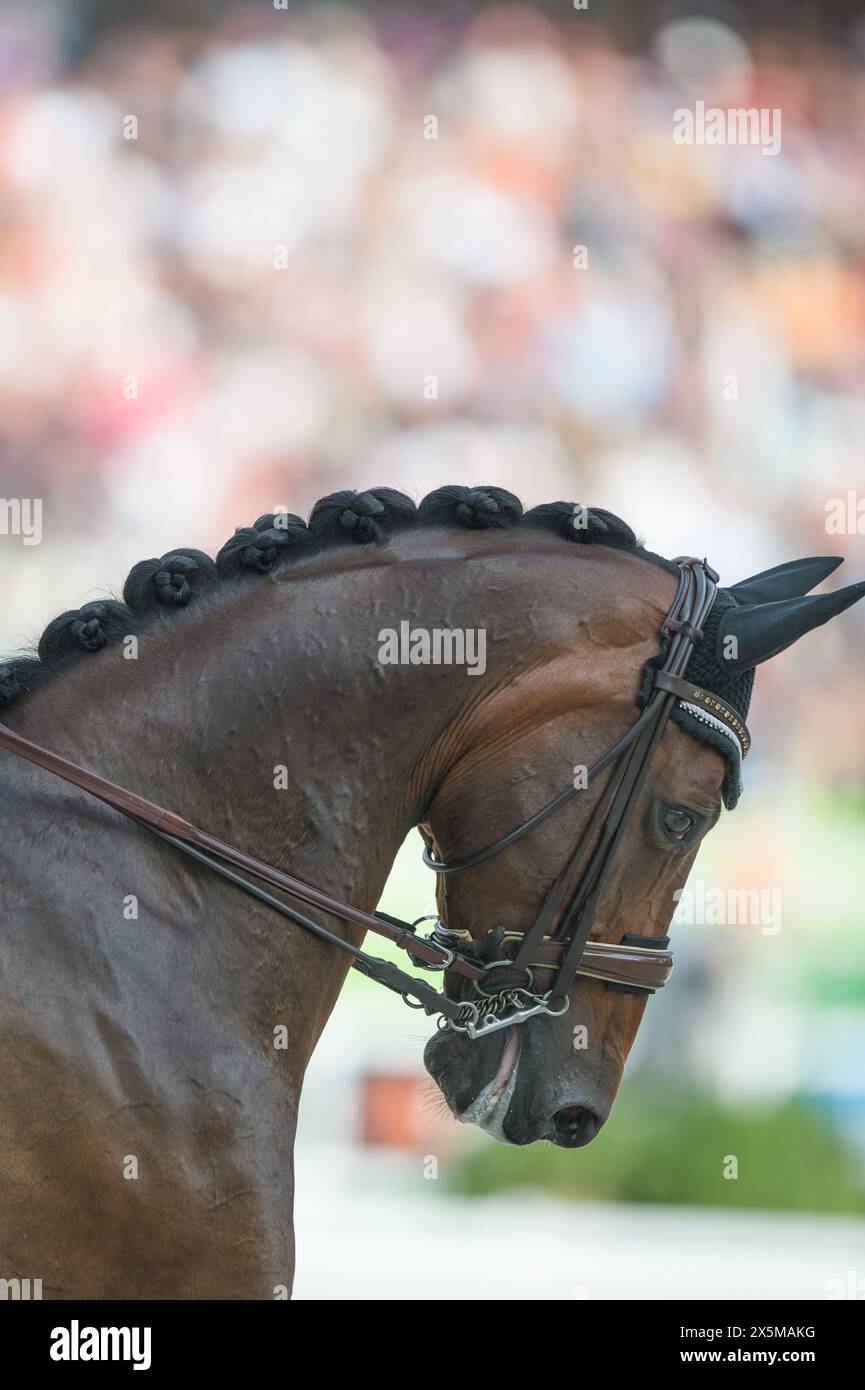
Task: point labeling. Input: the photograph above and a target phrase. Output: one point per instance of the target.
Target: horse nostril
(573, 1126)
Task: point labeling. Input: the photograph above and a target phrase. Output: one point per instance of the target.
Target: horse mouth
(490, 1106)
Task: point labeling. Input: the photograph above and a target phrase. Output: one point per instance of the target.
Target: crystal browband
(695, 695)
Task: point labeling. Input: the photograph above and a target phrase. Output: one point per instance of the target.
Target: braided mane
(158, 587)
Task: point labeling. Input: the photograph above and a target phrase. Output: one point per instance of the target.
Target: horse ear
(754, 633)
(791, 580)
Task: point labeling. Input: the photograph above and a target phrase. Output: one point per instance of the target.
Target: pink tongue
(506, 1065)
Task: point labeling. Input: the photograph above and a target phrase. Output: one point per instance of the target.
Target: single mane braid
(173, 580)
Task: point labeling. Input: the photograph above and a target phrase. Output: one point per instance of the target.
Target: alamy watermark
(22, 516)
(845, 516)
(739, 125)
(77, 1343)
(20, 1290)
(699, 906)
(853, 1286)
(436, 646)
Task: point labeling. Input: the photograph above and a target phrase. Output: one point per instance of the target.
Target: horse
(156, 1025)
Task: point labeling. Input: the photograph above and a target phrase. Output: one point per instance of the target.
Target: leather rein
(563, 950)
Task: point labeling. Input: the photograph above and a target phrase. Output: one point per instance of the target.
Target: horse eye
(678, 824)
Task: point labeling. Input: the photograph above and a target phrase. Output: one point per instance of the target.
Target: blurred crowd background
(250, 255)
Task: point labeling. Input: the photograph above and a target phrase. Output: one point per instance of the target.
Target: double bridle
(499, 967)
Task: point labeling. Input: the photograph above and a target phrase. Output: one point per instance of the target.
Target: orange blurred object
(397, 1112)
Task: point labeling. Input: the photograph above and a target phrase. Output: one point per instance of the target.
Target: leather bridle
(557, 942)
(499, 968)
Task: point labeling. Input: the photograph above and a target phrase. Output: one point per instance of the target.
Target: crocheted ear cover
(705, 669)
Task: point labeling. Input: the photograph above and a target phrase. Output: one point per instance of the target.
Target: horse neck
(270, 717)
(268, 720)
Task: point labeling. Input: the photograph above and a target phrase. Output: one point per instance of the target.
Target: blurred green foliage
(655, 1149)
